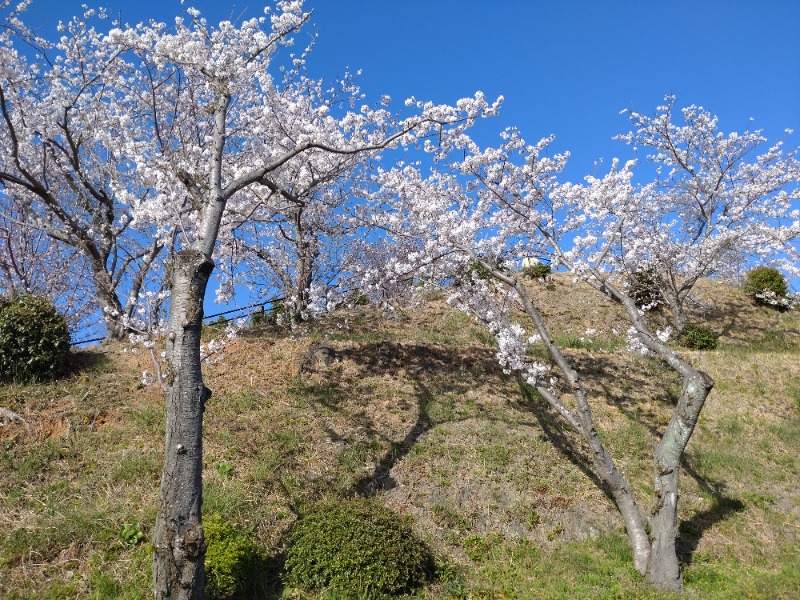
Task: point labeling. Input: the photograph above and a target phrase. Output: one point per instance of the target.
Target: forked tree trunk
(106, 292)
(179, 554)
(675, 305)
(583, 421)
(655, 557)
(663, 569)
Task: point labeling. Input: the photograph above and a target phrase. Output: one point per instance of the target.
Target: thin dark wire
(100, 339)
(205, 318)
(243, 308)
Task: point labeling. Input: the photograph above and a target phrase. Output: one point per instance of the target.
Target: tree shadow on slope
(737, 321)
(557, 431)
(691, 531)
(380, 479)
(262, 576)
(433, 371)
(87, 361)
(452, 371)
(630, 384)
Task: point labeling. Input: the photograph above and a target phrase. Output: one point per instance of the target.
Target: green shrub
(698, 338)
(357, 298)
(537, 271)
(644, 290)
(259, 317)
(233, 564)
(34, 339)
(217, 326)
(767, 286)
(356, 548)
(475, 271)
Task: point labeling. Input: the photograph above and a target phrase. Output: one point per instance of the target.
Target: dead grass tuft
(414, 411)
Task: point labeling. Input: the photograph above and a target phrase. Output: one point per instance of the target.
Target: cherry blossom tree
(467, 224)
(471, 236)
(59, 158)
(297, 255)
(295, 244)
(31, 262)
(215, 129)
(717, 201)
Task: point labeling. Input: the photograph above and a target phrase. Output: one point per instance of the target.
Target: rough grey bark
(655, 555)
(664, 569)
(179, 544)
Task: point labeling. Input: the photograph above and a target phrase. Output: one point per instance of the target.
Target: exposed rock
(317, 357)
(9, 416)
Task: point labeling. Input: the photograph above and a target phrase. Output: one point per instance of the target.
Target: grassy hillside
(415, 412)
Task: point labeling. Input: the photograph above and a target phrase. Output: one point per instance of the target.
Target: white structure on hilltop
(529, 261)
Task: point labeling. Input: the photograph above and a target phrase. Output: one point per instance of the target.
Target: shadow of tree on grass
(691, 531)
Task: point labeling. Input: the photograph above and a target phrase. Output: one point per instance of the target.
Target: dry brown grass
(415, 411)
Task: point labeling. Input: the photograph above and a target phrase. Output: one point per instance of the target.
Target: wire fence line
(206, 318)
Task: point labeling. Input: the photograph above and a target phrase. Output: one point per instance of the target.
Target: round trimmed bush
(34, 339)
(766, 279)
(698, 338)
(537, 270)
(233, 563)
(357, 548)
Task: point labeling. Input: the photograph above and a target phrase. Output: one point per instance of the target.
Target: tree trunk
(663, 569)
(303, 270)
(109, 302)
(626, 504)
(675, 305)
(179, 554)
(604, 465)
(300, 295)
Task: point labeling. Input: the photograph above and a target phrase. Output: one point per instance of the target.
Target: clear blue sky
(565, 67)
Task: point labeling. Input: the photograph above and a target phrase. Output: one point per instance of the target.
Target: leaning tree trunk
(179, 554)
(604, 465)
(663, 566)
(663, 569)
(109, 302)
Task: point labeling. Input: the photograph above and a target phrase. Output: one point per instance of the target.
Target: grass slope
(415, 412)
